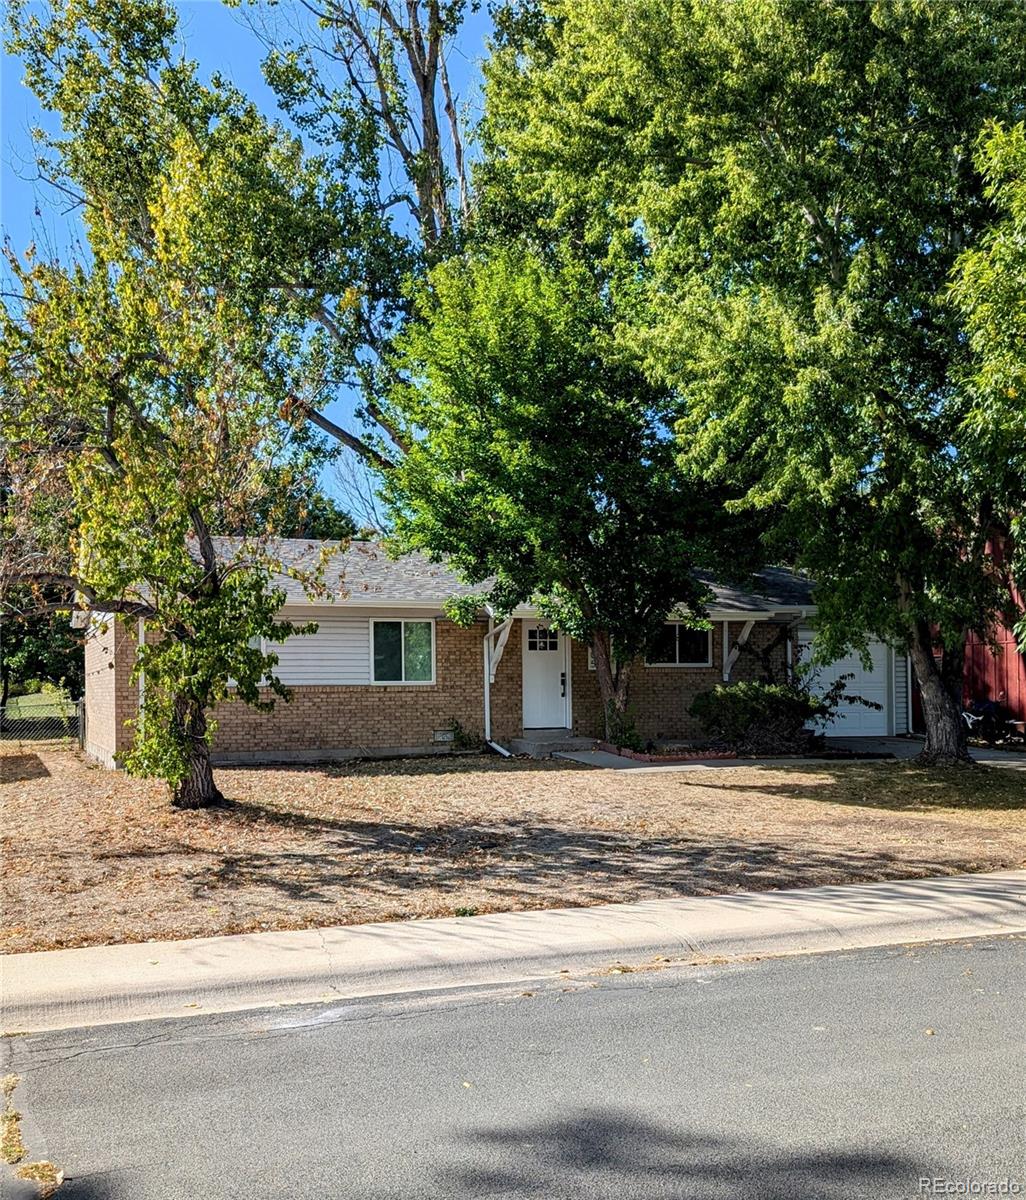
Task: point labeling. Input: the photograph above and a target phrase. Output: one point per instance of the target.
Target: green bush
(760, 718)
(464, 741)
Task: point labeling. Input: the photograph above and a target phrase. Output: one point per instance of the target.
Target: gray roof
(364, 573)
(774, 589)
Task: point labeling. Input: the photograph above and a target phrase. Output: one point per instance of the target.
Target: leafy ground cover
(91, 856)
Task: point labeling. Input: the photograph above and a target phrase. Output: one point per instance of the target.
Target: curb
(101, 985)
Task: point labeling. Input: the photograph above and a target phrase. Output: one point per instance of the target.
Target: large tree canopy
(367, 82)
(158, 386)
(989, 286)
(803, 177)
(543, 458)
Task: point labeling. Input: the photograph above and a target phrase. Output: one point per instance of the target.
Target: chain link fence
(46, 717)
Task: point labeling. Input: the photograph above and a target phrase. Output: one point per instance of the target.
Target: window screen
(665, 648)
(692, 645)
(417, 651)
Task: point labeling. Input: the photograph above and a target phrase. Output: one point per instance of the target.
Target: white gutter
(436, 605)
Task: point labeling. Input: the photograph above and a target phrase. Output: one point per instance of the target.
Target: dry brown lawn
(91, 856)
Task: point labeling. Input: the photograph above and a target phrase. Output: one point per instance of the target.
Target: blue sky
(215, 36)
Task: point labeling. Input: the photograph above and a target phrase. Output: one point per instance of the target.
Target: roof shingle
(364, 572)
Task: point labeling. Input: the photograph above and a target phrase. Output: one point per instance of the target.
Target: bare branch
(457, 140)
(366, 451)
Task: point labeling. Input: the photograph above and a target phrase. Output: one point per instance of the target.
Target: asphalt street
(822, 1077)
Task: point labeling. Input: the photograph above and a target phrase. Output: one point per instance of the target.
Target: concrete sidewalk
(108, 984)
(875, 748)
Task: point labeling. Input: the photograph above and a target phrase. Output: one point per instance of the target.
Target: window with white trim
(402, 651)
(680, 645)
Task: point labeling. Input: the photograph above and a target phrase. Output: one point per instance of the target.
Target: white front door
(545, 677)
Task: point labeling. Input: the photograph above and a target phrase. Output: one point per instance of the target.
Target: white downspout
(908, 695)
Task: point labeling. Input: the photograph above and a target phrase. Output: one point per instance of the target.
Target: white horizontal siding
(338, 653)
(901, 713)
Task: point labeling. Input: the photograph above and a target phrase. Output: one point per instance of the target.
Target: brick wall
(404, 717)
(507, 690)
(111, 698)
(366, 717)
(661, 696)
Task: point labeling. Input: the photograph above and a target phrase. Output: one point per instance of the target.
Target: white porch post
(494, 644)
(486, 646)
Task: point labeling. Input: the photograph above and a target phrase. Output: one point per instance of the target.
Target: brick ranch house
(386, 673)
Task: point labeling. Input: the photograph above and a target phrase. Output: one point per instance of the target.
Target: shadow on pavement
(606, 1153)
(601, 1154)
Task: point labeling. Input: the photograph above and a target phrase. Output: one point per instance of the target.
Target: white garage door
(856, 720)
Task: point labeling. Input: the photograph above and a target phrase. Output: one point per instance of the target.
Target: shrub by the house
(760, 718)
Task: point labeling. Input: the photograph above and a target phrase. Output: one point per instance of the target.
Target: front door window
(543, 639)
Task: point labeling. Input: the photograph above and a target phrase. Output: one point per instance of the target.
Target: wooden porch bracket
(731, 657)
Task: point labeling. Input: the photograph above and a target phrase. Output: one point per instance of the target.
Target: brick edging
(686, 756)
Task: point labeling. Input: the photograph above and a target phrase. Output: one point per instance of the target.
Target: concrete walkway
(882, 747)
(110, 984)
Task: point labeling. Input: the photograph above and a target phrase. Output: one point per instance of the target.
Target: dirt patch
(12, 1148)
(91, 856)
(44, 1175)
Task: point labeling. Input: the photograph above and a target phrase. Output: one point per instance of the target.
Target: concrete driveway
(909, 747)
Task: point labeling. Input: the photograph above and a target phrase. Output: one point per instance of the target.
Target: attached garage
(885, 683)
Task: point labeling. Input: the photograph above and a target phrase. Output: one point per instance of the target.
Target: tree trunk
(197, 789)
(941, 690)
(614, 686)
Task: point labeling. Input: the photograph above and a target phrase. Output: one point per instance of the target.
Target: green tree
(542, 458)
(34, 644)
(367, 81)
(294, 506)
(160, 386)
(379, 69)
(802, 174)
(39, 646)
(989, 285)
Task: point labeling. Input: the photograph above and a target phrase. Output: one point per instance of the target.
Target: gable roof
(363, 573)
(360, 573)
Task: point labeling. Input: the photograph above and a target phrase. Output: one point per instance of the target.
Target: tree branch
(457, 140)
(366, 451)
